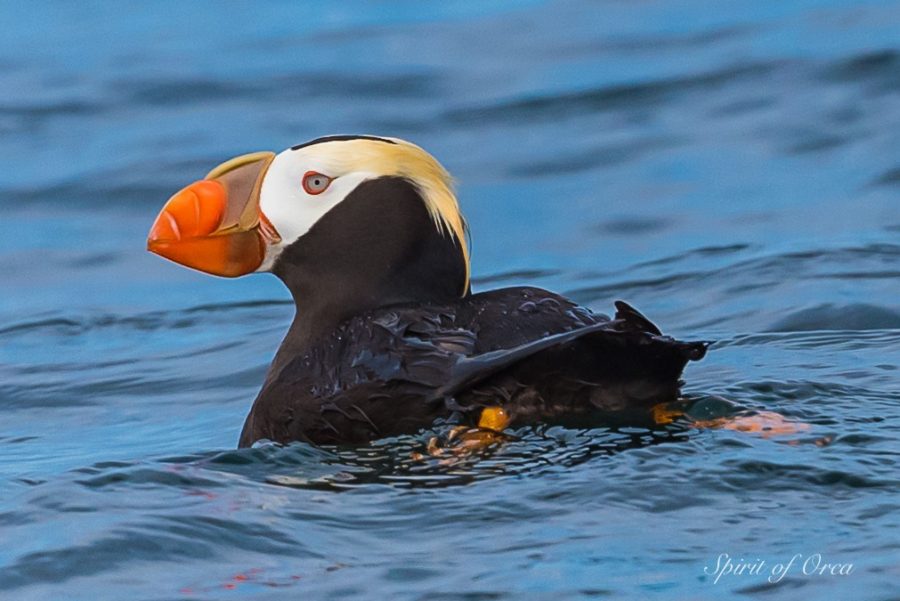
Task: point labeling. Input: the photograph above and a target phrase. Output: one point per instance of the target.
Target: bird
(388, 338)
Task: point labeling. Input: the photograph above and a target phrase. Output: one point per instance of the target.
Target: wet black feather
(397, 369)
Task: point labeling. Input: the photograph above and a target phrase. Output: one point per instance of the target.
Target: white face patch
(291, 209)
(348, 161)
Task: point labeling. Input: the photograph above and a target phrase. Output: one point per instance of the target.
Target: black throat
(378, 247)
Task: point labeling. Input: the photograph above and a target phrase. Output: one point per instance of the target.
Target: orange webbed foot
(767, 424)
(462, 441)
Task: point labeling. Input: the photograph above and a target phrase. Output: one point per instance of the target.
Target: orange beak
(215, 225)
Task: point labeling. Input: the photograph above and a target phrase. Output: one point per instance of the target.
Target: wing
(628, 347)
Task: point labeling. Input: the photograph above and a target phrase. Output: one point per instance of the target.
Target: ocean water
(730, 168)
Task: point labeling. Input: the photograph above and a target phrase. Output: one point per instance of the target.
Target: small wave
(703, 251)
(284, 87)
(154, 320)
(792, 392)
(588, 294)
(809, 141)
(631, 226)
(53, 323)
(231, 306)
(156, 538)
(814, 339)
(769, 475)
(763, 271)
(655, 43)
(606, 98)
(601, 156)
(891, 177)
(61, 108)
(89, 192)
(881, 67)
(859, 316)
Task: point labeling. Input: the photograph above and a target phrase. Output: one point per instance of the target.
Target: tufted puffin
(388, 339)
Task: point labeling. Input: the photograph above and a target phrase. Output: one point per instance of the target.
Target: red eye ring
(315, 183)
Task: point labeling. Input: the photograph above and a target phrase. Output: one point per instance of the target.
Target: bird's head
(337, 218)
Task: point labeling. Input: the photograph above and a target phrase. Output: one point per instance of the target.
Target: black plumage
(384, 343)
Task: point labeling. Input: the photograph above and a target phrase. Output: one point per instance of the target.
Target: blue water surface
(730, 168)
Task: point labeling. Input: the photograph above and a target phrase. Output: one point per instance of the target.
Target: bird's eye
(315, 183)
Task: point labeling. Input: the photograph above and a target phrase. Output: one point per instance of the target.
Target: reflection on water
(733, 174)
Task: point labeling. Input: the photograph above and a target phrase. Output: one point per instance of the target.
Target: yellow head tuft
(396, 157)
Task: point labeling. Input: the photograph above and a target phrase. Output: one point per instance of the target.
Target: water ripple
(605, 98)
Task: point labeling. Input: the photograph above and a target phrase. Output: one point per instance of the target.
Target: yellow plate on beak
(213, 225)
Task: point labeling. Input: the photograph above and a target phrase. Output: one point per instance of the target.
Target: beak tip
(201, 228)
